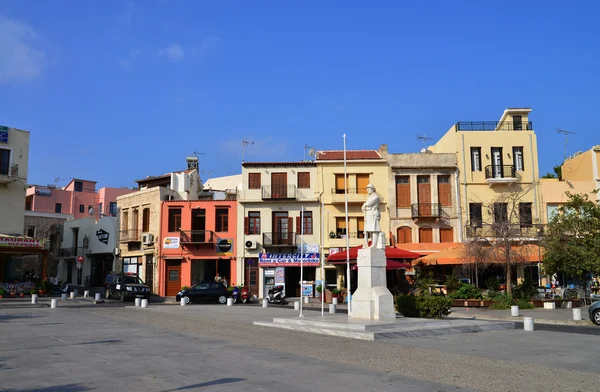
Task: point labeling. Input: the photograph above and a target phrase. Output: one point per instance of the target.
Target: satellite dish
(312, 152)
(423, 151)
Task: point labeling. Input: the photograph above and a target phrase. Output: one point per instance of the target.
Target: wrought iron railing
(278, 192)
(198, 237)
(500, 171)
(494, 125)
(351, 191)
(280, 239)
(341, 235)
(426, 210)
(524, 230)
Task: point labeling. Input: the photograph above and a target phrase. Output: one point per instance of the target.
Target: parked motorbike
(245, 295)
(235, 294)
(276, 295)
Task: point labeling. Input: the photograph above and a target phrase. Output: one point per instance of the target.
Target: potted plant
(335, 293)
(185, 288)
(33, 291)
(2, 292)
(44, 287)
(331, 234)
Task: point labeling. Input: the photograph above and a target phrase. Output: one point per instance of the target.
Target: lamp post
(348, 279)
(540, 232)
(301, 258)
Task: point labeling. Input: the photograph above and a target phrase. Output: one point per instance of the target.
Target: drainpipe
(465, 182)
(458, 209)
(533, 179)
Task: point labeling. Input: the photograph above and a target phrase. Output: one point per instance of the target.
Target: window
(303, 179)
(58, 208)
(475, 158)
(340, 184)
(78, 186)
(308, 223)
(112, 208)
(340, 226)
(31, 231)
(360, 225)
(404, 235)
(500, 212)
(444, 191)
(174, 220)
(146, 220)
(525, 216)
(135, 221)
(446, 234)
(222, 219)
(551, 211)
(81, 208)
(425, 235)
(402, 192)
(130, 265)
(254, 181)
(518, 158)
(475, 215)
(125, 221)
(4, 161)
(362, 180)
(253, 223)
(518, 123)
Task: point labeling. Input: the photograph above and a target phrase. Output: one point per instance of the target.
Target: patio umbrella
(390, 253)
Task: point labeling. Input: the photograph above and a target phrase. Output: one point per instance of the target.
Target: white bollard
(138, 302)
(550, 305)
(528, 323)
(514, 311)
(569, 304)
(144, 303)
(306, 300)
(576, 314)
(296, 305)
(229, 301)
(332, 308)
(334, 301)
(72, 295)
(97, 296)
(265, 303)
(86, 293)
(34, 298)
(53, 303)
(63, 297)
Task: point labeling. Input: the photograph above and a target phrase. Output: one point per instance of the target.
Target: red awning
(390, 253)
(390, 265)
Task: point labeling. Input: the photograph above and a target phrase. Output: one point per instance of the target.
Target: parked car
(125, 287)
(594, 312)
(204, 291)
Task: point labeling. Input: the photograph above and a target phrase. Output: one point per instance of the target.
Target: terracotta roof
(338, 155)
(256, 164)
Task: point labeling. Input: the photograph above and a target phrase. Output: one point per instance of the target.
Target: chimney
(383, 151)
(192, 163)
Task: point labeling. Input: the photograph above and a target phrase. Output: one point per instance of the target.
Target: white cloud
(173, 53)
(21, 59)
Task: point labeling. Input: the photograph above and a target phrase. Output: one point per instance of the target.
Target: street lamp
(540, 232)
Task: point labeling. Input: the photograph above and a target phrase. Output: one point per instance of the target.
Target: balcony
(278, 192)
(426, 210)
(354, 195)
(9, 174)
(504, 230)
(279, 239)
(198, 237)
(130, 235)
(71, 252)
(500, 174)
(494, 126)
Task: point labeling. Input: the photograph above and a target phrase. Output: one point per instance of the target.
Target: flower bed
(17, 288)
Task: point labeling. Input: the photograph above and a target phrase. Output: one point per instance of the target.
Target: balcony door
(497, 162)
(198, 225)
(424, 195)
(278, 185)
(281, 228)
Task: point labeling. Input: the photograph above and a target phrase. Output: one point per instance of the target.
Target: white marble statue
(372, 218)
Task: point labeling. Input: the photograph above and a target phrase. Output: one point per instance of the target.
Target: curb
(537, 321)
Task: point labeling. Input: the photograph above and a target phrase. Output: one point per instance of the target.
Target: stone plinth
(372, 300)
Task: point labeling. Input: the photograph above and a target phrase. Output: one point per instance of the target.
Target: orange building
(197, 241)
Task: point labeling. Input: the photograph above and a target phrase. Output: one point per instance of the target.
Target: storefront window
(130, 265)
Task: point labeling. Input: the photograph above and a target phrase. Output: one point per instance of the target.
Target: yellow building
(554, 193)
(583, 166)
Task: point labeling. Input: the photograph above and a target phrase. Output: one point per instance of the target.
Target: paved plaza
(78, 347)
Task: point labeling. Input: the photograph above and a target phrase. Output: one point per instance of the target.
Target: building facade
(583, 167)
(278, 226)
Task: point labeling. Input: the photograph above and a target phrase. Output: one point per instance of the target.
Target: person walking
(218, 278)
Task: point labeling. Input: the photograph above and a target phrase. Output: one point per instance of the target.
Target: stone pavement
(559, 316)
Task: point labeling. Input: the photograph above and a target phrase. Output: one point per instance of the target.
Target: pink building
(79, 198)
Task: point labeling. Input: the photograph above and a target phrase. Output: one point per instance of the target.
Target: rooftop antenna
(424, 139)
(245, 143)
(207, 172)
(566, 133)
(311, 151)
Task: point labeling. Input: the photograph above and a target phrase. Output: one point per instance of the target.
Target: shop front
(285, 270)
(22, 259)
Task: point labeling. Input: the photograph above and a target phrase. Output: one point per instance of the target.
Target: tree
(549, 175)
(572, 239)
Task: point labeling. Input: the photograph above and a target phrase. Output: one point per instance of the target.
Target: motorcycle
(276, 295)
(235, 294)
(245, 295)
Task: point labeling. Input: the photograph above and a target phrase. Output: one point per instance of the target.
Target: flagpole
(301, 258)
(348, 279)
(322, 262)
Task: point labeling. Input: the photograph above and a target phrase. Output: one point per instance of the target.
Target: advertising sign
(171, 242)
(20, 242)
(3, 134)
(225, 247)
(307, 290)
(308, 248)
(288, 260)
(279, 275)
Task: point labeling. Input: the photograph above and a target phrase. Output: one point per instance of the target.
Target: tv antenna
(566, 133)
(209, 172)
(245, 143)
(424, 139)
(57, 180)
(196, 153)
(311, 151)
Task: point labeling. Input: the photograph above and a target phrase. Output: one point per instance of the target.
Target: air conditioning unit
(147, 238)
(117, 251)
(251, 244)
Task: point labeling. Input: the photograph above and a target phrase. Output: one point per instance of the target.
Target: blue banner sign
(288, 260)
(3, 134)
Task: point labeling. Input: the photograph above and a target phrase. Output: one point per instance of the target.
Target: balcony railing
(198, 237)
(130, 235)
(279, 239)
(500, 171)
(426, 210)
(71, 252)
(9, 174)
(278, 192)
(360, 234)
(351, 191)
(504, 230)
(494, 125)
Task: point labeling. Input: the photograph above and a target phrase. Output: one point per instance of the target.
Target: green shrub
(452, 283)
(524, 304)
(490, 294)
(571, 294)
(502, 301)
(466, 291)
(492, 283)
(526, 290)
(406, 305)
(433, 306)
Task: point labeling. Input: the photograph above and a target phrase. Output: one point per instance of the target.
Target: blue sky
(115, 91)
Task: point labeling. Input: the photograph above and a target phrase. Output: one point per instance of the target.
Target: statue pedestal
(372, 300)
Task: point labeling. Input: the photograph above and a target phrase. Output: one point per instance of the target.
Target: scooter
(235, 294)
(276, 295)
(245, 295)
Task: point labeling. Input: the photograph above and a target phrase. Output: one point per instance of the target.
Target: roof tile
(338, 155)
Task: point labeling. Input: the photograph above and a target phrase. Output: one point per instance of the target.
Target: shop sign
(171, 243)
(102, 236)
(308, 248)
(279, 275)
(269, 272)
(289, 259)
(20, 242)
(46, 192)
(3, 134)
(225, 247)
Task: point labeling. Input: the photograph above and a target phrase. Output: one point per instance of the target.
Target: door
(173, 280)
(497, 162)
(278, 185)
(281, 228)
(70, 271)
(150, 272)
(424, 196)
(251, 275)
(198, 226)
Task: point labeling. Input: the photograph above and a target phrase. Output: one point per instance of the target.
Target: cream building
(583, 166)
(554, 193)
(272, 197)
(140, 220)
(14, 158)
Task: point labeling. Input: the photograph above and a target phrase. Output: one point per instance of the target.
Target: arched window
(446, 234)
(404, 235)
(425, 235)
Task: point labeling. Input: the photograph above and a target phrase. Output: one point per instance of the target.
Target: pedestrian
(218, 278)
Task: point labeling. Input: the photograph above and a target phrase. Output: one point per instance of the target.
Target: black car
(204, 291)
(125, 287)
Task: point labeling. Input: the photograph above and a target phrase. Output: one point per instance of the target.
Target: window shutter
(290, 235)
(246, 225)
(298, 225)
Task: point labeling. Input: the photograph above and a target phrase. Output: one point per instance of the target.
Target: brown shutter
(445, 191)
(446, 234)
(403, 194)
(425, 235)
(362, 180)
(298, 225)
(291, 234)
(246, 225)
